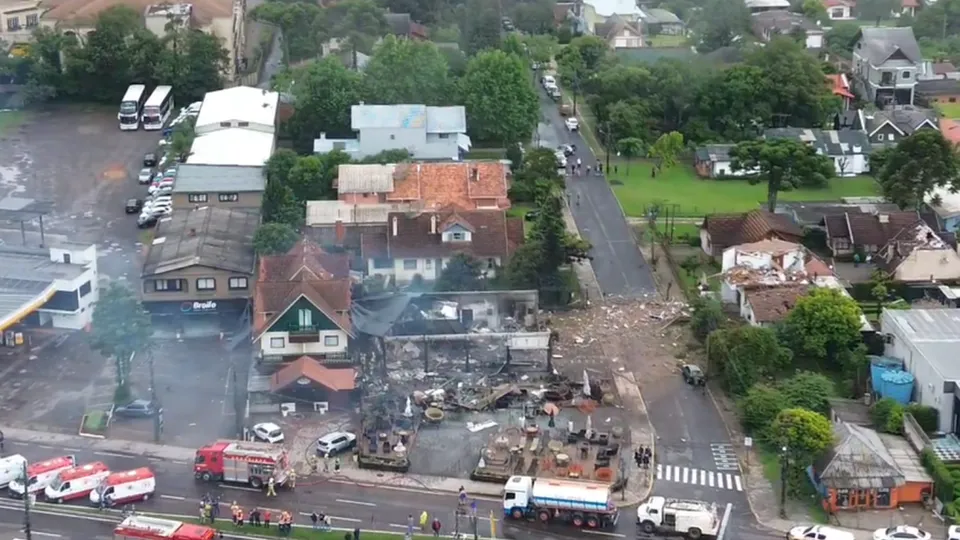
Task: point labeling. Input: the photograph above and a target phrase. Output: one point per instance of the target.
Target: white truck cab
(695, 519)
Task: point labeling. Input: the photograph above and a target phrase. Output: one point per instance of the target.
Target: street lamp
(783, 482)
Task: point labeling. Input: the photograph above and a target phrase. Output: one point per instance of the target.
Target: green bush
(945, 484)
(94, 422)
(887, 416)
(928, 418)
(759, 408)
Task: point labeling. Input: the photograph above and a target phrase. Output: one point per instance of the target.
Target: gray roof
(660, 16)
(938, 87)
(878, 43)
(447, 119)
(715, 152)
(218, 178)
(208, 236)
(906, 119)
(845, 142)
(934, 332)
(859, 460)
(25, 273)
(405, 116)
(783, 21)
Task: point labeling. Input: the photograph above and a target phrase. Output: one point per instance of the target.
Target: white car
(145, 175)
(193, 108)
(572, 123)
(953, 533)
(333, 443)
(154, 188)
(901, 532)
(818, 532)
(548, 80)
(268, 432)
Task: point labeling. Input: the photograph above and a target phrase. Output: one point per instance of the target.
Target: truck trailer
(694, 519)
(581, 504)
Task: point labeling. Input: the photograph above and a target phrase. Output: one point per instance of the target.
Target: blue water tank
(880, 365)
(897, 385)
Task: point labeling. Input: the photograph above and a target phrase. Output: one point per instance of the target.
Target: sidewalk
(640, 481)
(585, 275)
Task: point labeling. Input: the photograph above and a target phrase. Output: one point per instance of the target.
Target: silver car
(145, 176)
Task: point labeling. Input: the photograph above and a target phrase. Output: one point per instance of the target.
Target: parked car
(165, 183)
(548, 80)
(901, 532)
(572, 123)
(150, 159)
(268, 432)
(138, 408)
(145, 222)
(953, 533)
(568, 149)
(157, 211)
(692, 374)
(133, 206)
(818, 532)
(145, 175)
(336, 442)
(531, 215)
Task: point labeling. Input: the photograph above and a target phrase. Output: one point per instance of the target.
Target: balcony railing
(303, 334)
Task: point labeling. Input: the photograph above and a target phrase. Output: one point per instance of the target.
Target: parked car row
(549, 84)
(900, 532)
(62, 479)
(159, 201)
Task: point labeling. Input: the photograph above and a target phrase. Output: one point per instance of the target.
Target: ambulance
(125, 487)
(11, 468)
(77, 482)
(40, 474)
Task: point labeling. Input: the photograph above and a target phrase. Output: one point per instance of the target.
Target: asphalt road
(617, 261)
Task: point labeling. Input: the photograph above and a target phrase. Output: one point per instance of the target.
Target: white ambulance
(77, 482)
(11, 468)
(40, 474)
(125, 487)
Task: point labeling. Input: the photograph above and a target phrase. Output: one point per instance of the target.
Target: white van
(76, 483)
(125, 487)
(818, 532)
(11, 468)
(40, 474)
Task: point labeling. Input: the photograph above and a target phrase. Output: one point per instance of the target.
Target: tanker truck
(581, 504)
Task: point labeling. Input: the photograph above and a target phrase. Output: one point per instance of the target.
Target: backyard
(949, 110)
(638, 190)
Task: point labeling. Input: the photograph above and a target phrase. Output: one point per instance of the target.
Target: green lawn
(949, 110)
(664, 40)
(486, 153)
(10, 120)
(697, 197)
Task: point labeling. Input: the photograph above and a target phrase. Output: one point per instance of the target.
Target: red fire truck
(151, 528)
(243, 462)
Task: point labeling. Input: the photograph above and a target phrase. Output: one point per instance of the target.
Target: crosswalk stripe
(686, 475)
(711, 478)
(739, 486)
(669, 468)
(701, 477)
(729, 482)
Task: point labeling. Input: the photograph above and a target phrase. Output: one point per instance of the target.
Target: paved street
(617, 262)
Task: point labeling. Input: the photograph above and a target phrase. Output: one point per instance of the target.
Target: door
(466, 317)
(670, 520)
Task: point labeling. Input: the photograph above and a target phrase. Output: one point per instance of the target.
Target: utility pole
(783, 482)
(26, 504)
(606, 145)
(158, 417)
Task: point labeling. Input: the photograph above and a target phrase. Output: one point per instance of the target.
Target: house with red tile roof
(720, 231)
(469, 185)
(840, 86)
(421, 244)
(840, 10)
(302, 305)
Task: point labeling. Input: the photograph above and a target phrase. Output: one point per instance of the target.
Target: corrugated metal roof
(934, 332)
(238, 104)
(446, 119)
(388, 116)
(222, 178)
(353, 178)
(208, 236)
(234, 146)
(328, 213)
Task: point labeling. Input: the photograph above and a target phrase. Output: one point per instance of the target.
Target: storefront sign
(199, 307)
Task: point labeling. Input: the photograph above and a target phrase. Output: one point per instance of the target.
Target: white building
(235, 146)
(55, 287)
(236, 126)
(927, 340)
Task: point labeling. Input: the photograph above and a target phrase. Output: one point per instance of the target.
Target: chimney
(193, 232)
(341, 231)
(884, 218)
(433, 224)
(394, 226)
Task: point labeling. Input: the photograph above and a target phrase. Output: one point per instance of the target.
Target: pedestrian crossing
(699, 477)
(724, 457)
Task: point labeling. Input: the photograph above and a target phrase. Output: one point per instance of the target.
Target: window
(33, 20)
(510, 496)
(224, 124)
(339, 146)
(392, 136)
(428, 264)
(229, 197)
(837, 13)
(206, 284)
(443, 135)
(882, 498)
(491, 263)
(167, 285)
(383, 263)
(305, 316)
(843, 498)
(237, 284)
(13, 23)
(197, 197)
(409, 264)
(906, 75)
(331, 341)
(952, 100)
(85, 289)
(66, 258)
(277, 343)
(457, 236)
(243, 124)
(890, 136)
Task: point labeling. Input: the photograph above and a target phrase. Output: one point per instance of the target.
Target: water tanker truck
(581, 504)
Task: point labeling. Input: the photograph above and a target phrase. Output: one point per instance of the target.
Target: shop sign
(198, 307)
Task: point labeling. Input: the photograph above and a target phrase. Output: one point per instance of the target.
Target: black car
(145, 222)
(133, 206)
(150, 160)
(138, 408)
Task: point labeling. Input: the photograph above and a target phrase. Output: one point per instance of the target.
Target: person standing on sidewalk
(266, 517)
(271, 490)
(423, 521)
(436, 526)
(314, 520)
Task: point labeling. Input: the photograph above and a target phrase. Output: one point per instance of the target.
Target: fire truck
(151, 528)
(242, 462)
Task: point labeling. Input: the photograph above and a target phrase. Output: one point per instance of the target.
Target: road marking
(724, 521)
(601, 533)
(337, 518)
(739, 485)
(44, 446)
(703, 477)
(729, 481)
(173, 497)
(72, 449)
(112, 454)
(51, 535)
(711, 478)
(239, 488)
(687, 475)
(361, 503)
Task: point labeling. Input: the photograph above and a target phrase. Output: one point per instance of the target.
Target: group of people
(320, 522)
(576, 168)
(642, 456)
(435, 525)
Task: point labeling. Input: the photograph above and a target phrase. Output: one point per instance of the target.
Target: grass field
(949, 110)
(697, 197)
(665, 40)
(10, 120)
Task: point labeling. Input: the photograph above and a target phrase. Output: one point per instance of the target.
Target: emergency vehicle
(39, 475)
(243, 462)
(125, 487)
(151, 528)
(11, 468)
(76, 482)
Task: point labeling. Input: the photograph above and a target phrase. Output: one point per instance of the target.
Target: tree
(880, 282)
(734, 102)
(707, 316)
(398, 155)
(540, 48)
(784, 163)
(182, 139)
(357, 24)
(281, 206)
(796, 92)
(721, 24)
(879, 10)
(840, 38)
(814, 10)
(407, 71)
(534, 17)
(302, 24)
(823, 323)
(740, 356)
(915, 166)
(480, 24)
(805, 435)
(324, 92)
(938, 20)
(759, 407)
(192, 61)
(667, 148)
(462, 273)
(120, 327)
(501, 104)
(808, 390)
(629, 148)
(592, 51)
(274, 238)
(536, 177)
(100, 69)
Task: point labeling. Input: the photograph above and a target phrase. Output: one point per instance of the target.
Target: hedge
(944, 480)
(928, 418)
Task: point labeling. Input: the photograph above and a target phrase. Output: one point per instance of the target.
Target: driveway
(617, 262)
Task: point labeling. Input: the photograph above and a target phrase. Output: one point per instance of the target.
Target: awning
(463, 141)
(16, 315)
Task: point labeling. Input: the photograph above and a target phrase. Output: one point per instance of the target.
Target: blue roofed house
(426, 132)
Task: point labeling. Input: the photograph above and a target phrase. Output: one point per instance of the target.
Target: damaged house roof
(772, 304)
(732, 229)
(870, 229)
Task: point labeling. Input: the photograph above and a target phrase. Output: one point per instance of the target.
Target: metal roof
(211, 178)
(239, 104)
(357, 178)
(446, 119)
(933, 332)
(405, 116)
(233, 146)
(208, 236)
